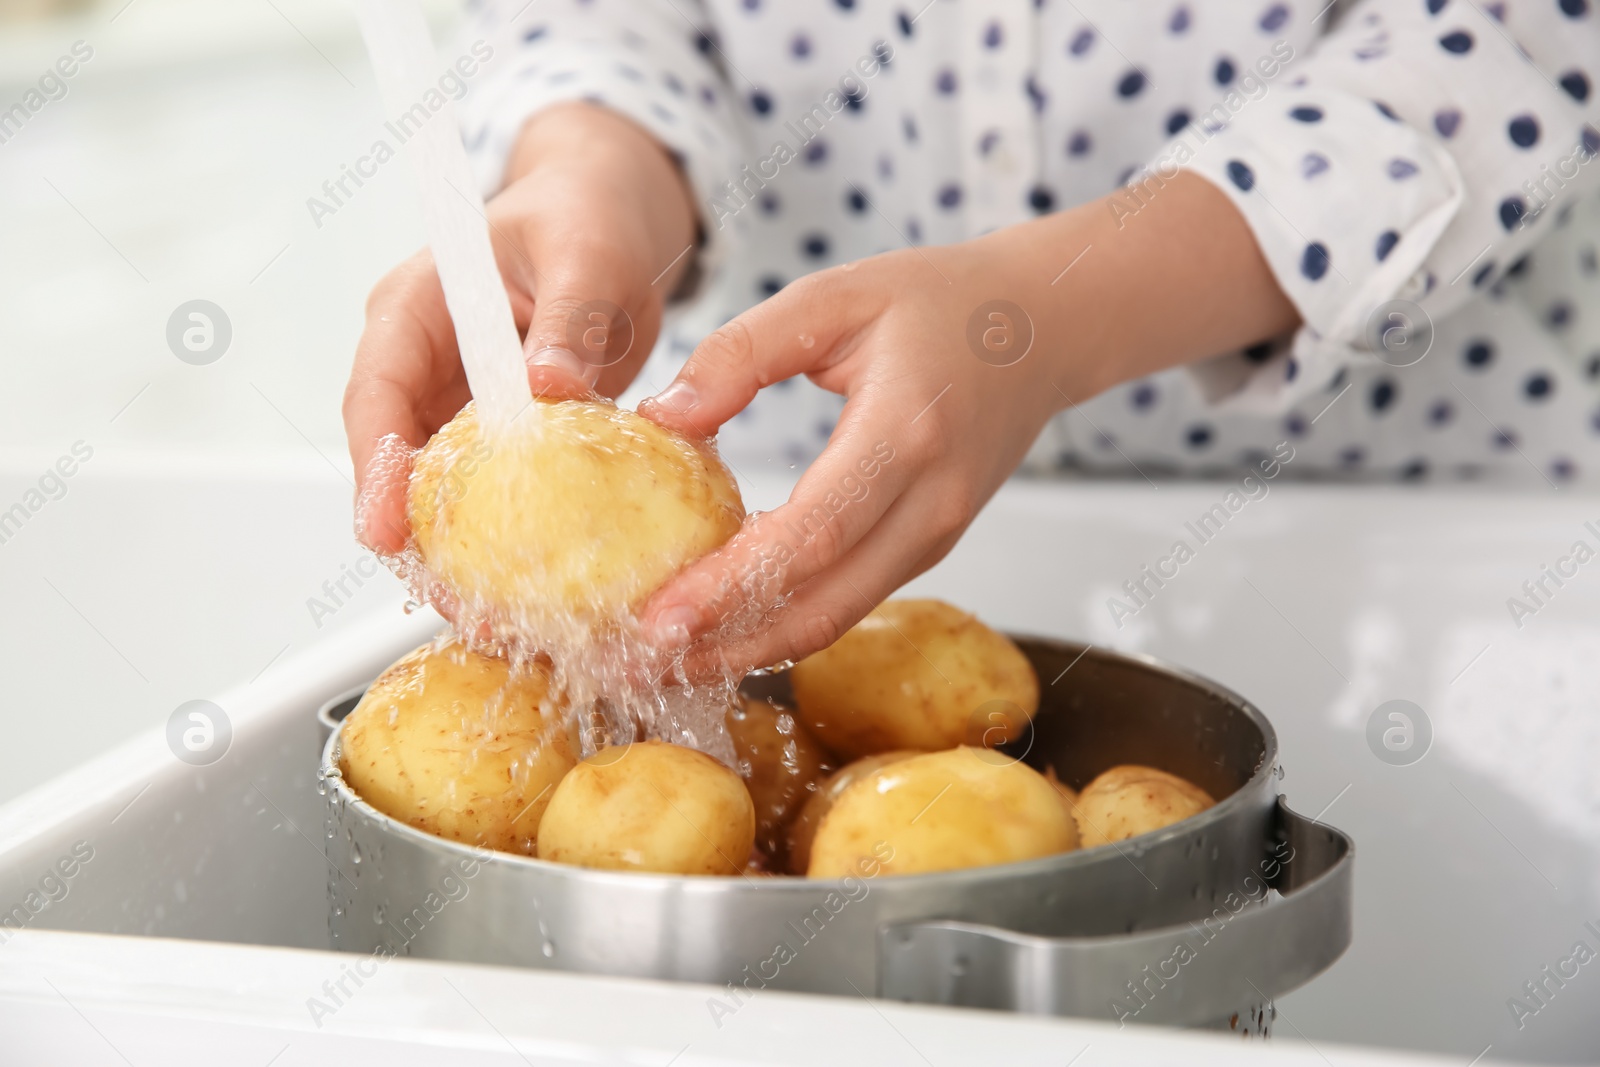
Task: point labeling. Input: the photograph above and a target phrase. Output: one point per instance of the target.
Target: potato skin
(450, 741)
(650, 806)
(1130, 800)
(915, 674)
(576, 513)
(786, 764)
(803, 830)
(943, 811)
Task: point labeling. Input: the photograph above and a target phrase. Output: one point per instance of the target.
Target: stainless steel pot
(1203, 922)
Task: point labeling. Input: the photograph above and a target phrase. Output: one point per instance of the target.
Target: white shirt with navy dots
(1421, 176)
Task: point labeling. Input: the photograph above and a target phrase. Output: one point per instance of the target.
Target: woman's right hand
(595, 216)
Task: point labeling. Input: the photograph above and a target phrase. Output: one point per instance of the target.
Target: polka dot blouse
(1420, 175)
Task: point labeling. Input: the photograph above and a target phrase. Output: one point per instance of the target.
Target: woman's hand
(595, 216)
(952, 360)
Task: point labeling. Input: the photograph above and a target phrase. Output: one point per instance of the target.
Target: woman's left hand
(952, 359)
(927, 436)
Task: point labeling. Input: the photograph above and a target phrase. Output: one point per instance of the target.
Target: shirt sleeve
(656, 62)
(1397, 169)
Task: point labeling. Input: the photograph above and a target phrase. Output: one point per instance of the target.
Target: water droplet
(355, 853)
(412, 606)
(548, 949)
(806, 340)
(958, 966)
(847, 266)
(377, 915)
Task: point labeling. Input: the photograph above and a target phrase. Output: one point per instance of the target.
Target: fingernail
(671, 628)
(680, 397)
(563, 360)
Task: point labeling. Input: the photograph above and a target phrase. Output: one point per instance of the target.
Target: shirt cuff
(1345, 203)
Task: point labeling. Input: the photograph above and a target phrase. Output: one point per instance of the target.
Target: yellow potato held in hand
(450, 741)
(917, 674)
(571, 517)
(1130, 800)
(785, 764)
(803, 830)
(943, 811)
(650, 806)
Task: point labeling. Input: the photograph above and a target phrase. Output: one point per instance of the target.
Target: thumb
(581, 327)
(800, 330)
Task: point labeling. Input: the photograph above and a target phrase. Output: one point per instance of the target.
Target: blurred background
(176, 167)
(204, 532)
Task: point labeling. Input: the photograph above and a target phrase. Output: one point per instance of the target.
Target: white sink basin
(1475, 865)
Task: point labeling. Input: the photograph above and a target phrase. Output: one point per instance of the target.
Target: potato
(785, 764)
(916, 674)
(1129, 800)
(650, 806)
(804, 827)
(568, 519)
(942, 811)
(452, 742)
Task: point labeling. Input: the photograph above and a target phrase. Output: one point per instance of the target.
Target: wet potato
(451, 742)
(571, 517)
(650, 806)
(804, 827)
(942, 811)
(1130, 800)
(785, 765)
(916, 674)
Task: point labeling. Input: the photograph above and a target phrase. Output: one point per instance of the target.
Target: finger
(901, 547)
(803, 329)
(394, 388)
(849, 488)
(591, 325)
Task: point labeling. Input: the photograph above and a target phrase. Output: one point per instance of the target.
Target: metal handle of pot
(1266, 946)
